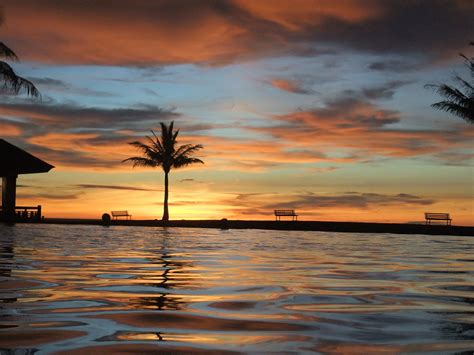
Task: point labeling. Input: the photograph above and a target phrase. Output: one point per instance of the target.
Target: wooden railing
(25, 213)
(28, 213)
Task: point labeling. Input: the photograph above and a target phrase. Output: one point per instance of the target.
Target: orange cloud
(144, 32)
(298, 15)
(82, 150)
(293, 86)
(8, 129)
(362, 131)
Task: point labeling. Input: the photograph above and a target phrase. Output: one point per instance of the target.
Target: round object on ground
(224, 223)
(106, 219)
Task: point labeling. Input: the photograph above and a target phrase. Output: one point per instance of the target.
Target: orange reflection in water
(76, 287)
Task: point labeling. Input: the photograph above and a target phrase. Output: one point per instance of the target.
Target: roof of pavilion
(14, 161)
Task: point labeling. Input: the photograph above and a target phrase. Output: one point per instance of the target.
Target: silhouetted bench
(437, 217)
(285, 213)
(117, 214)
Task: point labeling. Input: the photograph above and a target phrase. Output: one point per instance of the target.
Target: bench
(117, 214)
(437, 217)
(285, 213)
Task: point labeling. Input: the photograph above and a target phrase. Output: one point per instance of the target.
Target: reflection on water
(80, 289)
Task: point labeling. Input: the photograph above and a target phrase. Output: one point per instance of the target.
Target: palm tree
(459, 102)
(11, 81)
(163, 151)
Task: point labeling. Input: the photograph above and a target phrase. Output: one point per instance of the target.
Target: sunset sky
(318, 106)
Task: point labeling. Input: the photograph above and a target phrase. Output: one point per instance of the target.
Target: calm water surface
(86, 289)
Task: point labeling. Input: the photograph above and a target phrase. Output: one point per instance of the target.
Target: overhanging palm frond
(14, 83)
(450, 93)
(27, 87)
(459, 102)
(466, 85)
(6, 52)
(9, 80)
(464, 112)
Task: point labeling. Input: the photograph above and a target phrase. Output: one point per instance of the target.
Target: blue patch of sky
(241, 93)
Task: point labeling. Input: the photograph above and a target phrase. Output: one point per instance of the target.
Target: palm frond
(187, 149)
(27, 87)
(6, 52)
(450, 93)
(466, 85)
(457, 102)
(164, 132)
(14, 83)
(175, 135)
(162, 151)
(167, 138)
(182, 156)
(465, 113)
(185, 161)
(146, 149)
(155, 142)
(140, 161)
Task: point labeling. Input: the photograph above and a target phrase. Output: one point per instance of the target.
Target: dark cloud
(47, 196)
(112, 187)
(261, 204)
(385, 91)
(196, 127)
(154, 33)
(355, 111)
(353, 200)
(143, 74)
(325, 169)
(60, 115)
(455, 158)
(49, 82)
(353, 122)
(62, 86)
(74, 157)
(150, 92)
(67, 134)
(393, 66)
(429, 28)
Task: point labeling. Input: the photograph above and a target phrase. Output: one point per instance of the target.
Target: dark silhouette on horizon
(456, 101)
(163, 152)
(11, 82)
(13, 162)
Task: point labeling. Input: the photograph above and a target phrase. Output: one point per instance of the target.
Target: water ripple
(83, 289)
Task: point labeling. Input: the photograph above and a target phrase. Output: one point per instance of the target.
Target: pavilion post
(9, 196)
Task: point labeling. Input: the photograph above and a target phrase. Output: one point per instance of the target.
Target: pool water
(90, 289)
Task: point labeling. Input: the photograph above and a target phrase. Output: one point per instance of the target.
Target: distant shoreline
(344, 227)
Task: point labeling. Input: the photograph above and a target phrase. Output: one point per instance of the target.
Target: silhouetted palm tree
(11, 82)
(163, 152)
(459, 102)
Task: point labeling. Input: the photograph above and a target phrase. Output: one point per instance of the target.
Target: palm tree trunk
(165, 204)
